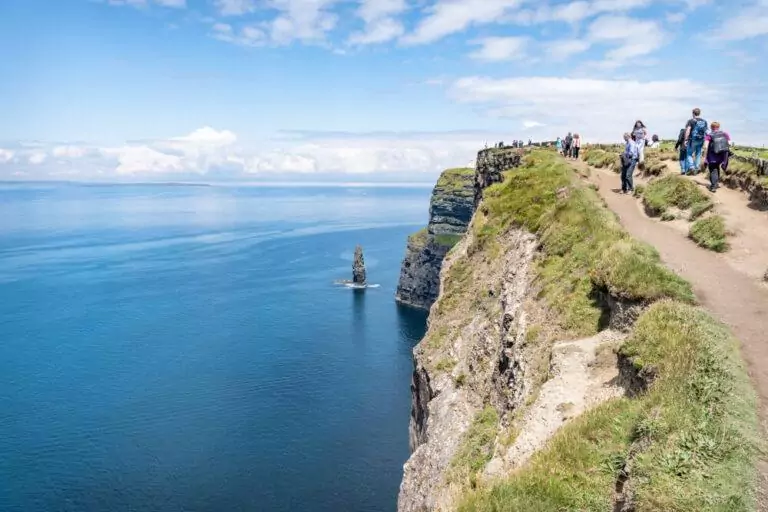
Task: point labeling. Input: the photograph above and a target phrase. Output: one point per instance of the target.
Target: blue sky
(136, 90)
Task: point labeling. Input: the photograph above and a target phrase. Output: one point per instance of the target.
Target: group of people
(515, 144)
(569, 146)
(694, 139)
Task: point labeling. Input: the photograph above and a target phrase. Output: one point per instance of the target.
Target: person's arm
(687, 133)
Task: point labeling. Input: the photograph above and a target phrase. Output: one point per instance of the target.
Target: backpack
(719, 142)
(699, 129)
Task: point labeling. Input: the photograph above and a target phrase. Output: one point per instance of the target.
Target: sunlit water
(169, 348)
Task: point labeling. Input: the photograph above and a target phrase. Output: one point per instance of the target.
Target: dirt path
(749, 245)
(732, 295)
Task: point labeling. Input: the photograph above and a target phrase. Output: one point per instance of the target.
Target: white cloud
(500, 48)
(5, 155)
(235, 7)
(532, 124)
(380, 23)
(744, 24)
(565, 48)
(450, 16)
(37, 158)
(141, 159)
(634, 37)
(172, 3)
(600, 109)
(69, 151)
(246, 36)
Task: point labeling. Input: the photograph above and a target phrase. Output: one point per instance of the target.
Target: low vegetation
(710, 233)
(584, 249)
(419, 238)
(688, 443)
(476, 448)
(457, 181)
(602, 159)
(674, 191)
(447, 240)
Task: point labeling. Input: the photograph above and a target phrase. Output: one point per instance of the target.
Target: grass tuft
(673, 191)
(710, 233)
(476, 448)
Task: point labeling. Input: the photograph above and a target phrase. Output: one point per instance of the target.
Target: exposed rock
(358, 267)
(450, 211)
(443, 410)
(490, 164)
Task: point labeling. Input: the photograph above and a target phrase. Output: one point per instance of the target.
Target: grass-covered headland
(686, 444)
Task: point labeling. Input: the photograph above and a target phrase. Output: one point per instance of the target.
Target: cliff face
(547, 313)
(491, 163)
(450, 211)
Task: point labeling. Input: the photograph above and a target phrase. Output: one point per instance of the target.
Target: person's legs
(624, 168)
(630, 173)
(697, 146)
(576, 153)
(714, 176)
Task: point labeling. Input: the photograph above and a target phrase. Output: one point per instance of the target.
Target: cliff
(450, 211)
(564, 368)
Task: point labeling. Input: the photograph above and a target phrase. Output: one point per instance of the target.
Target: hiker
(695, 132)
(576, 145)
(682, 151)
(559, 145)
(629, 159)
(568, 145)
(639, 134)
(655, 143)
(717, 150)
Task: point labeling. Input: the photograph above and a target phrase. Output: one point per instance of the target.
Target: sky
(357, 90)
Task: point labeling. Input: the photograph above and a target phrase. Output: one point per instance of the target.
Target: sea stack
(358, 267)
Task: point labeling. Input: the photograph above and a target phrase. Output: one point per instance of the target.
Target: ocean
(184, 348)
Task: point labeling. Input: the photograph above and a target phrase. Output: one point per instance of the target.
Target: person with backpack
(559, 145)
(639, 134)
(682, 151)
(568, 143)
(576, 145)
(718, 150)
(695, 132)
(629, 159)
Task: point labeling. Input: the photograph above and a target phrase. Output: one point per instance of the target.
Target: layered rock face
(450, 211)
(491, 163)
(358, 267)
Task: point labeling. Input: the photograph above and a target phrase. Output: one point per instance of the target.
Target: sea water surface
(184, 348)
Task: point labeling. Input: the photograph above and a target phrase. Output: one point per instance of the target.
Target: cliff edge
(565, 368)
(450, 211)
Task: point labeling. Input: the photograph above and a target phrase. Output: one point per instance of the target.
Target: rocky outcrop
(490, 164)
(358, 267)
(450, 211)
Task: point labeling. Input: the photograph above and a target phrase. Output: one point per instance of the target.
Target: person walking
(576, 145)
(568, 143)
(629, 159)
(695, 132)
(718, 151)
(639, 134)
(682, 151)
(559, 145)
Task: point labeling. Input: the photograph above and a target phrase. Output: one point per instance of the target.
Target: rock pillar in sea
(358, 267)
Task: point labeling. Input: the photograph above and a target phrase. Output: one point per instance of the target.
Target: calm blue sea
(180, 348)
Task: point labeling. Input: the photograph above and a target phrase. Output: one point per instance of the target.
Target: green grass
(692, 436)
(673, 191)
(458, 181)
(584, 248)
(419, 238)
(602, 158)
(476, 447)
(710, 233)
(447, 240)
(751, 152)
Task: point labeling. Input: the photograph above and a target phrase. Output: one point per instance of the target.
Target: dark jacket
(680, 145)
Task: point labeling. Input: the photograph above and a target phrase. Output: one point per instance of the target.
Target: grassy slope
(696, 426)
